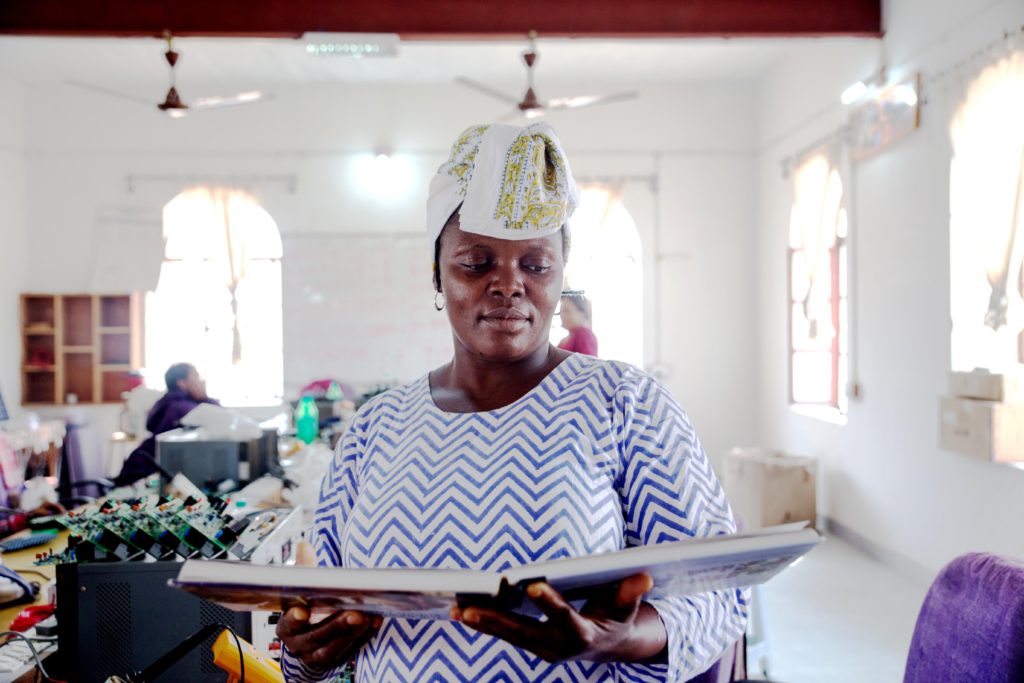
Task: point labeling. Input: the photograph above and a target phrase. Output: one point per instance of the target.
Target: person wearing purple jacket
(185, 390)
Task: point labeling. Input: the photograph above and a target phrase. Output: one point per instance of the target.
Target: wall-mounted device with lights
(880, 113)
(355, 45)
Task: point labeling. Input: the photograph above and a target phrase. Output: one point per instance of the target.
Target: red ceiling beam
(444, 18)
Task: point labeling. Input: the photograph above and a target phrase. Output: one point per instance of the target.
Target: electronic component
(164, 528)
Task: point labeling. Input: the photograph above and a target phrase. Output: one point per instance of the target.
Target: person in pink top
(575, 313)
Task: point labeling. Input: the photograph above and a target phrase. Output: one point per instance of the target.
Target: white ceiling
(208, 64)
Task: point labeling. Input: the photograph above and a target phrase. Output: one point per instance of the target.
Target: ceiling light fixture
(355, 45)
(855, 92)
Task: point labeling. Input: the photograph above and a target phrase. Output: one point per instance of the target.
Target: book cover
(677, 568)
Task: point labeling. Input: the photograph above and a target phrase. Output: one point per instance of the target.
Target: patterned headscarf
(513, 183)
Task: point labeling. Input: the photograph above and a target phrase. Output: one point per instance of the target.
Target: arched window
(605, 261)
(818, 286)
(986, 203)
(218, 301)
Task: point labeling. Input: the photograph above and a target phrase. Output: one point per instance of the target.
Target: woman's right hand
(328, 643)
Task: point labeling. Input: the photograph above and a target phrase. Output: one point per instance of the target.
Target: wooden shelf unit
(81, 344)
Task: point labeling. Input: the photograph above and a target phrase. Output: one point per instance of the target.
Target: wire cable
(241, 655)
(33, 571)
(168, 659)
(31, 646)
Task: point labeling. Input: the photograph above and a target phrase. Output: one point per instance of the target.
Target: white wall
(13, 237)
(696, 141)
(884, 476)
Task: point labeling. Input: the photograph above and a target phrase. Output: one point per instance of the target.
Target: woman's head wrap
(512, 183)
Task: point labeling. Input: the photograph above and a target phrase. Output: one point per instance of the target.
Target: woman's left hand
(614, 625)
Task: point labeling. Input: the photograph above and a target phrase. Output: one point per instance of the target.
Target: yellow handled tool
(259, 667)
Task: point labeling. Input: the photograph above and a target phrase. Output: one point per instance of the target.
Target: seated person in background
(575, 314)
(185, 390)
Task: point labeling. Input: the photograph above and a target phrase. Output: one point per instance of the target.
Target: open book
(678, 568)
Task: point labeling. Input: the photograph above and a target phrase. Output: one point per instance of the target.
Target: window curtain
(987, 176)
(228, 229)
(986, 201)
(218, 302)
(591, 219)
(816, 218)
(605, 261)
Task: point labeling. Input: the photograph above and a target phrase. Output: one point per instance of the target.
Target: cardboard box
(770, 487)
(982, 429)
(987, 386)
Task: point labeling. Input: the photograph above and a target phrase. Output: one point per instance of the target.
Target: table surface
(21, 562)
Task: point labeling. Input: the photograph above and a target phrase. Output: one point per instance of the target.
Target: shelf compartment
(115, 311)
(40, 387)
(113, 384)
(39, 350)
(78, 377)
(115, 348)
(77, 320)
(38, 311)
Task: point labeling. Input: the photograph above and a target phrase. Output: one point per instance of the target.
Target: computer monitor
(208, 462)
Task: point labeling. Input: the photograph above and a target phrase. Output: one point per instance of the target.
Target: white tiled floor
(839, 616)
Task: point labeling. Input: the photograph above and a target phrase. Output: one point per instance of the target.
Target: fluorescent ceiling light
(356, 45)
(905, 93)
(853, 93)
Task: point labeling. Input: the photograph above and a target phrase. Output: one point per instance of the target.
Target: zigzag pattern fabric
(597, 457)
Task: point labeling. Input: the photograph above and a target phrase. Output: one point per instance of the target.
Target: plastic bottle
(307, 419)
(334, 392)
(335, 395)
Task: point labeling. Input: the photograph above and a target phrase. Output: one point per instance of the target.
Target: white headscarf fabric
(513, 183)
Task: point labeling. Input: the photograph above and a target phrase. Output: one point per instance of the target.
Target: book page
(680, 567)
(411, 593)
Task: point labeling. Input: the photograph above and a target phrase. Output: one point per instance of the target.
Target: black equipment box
(114, 618)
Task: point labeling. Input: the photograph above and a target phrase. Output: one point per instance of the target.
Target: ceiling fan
(172, 104)
(530, 106)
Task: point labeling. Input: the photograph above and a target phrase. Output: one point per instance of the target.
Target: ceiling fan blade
(588, 100)
(229, 100)
(486, 89)
(513, 115)
(111, 93)
(528, 115)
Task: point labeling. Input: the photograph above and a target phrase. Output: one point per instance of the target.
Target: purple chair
(971, 626)
(709, 676)
(723, 670)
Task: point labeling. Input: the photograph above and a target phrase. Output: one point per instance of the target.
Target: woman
(575, 315)
(515, 451)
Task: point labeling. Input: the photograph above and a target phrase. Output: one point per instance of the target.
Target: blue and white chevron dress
(597, 457)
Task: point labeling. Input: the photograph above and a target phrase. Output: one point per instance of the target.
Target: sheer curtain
(218, 301)
(605, 260)
(817, 267)
(986, 196)
(817, 219)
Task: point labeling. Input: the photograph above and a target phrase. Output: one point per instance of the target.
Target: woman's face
(500, 294)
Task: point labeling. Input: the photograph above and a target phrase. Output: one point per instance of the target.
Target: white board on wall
(128, 248)
(359, 308)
